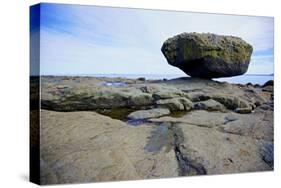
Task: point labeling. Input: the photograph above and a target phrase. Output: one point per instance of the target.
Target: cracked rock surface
(86, 146)
(111, 129)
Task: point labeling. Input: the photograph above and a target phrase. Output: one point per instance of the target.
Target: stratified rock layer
(208, 55)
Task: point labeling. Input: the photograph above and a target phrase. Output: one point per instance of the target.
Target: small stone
(176, 104)
(62, 87)
(210, 105)
(172, 104)
(243, 110)
(141, 79)
(197, 96)
(249, 84)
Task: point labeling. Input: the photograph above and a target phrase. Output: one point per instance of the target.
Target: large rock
(213, 152)
(208, 55)
(88, 147)
(219, 143)
(95, 97)
(258, 125)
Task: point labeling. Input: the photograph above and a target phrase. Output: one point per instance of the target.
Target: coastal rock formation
(176, 95)
(220, 153)
(86, 146)
(94, 131)
(74, 149)
(208, 55)
(91, 98)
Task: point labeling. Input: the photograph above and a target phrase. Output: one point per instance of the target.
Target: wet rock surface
(267, 150)
(152, 129)
(151, 113)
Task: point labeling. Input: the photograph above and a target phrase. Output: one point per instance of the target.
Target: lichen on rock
(208, 55)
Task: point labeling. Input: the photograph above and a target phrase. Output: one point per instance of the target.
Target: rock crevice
(169, 136)
(186, 166)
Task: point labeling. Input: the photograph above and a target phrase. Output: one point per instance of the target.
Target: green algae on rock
(208, 55)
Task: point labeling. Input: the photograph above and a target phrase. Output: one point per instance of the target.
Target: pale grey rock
(199, 118)
(220, 153)
(186, 142)
(88, 147)
(151, 113)
(175, 104)
(91, 98)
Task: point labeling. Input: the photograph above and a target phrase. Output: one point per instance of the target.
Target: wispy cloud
(91, 40)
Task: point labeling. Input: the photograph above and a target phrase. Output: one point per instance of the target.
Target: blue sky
(98, 40)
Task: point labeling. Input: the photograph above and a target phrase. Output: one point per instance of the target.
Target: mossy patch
(208, 55)
(178, 114)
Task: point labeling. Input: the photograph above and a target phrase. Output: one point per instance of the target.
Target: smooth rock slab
(221, 153)
(88, 147)
(208, 55)
(201, 118)
(152, 113)
(258, 125)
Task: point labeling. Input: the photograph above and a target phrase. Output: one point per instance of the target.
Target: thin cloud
(92, 40)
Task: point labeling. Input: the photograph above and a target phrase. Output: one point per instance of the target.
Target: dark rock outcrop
(268, 83)
(208, 55)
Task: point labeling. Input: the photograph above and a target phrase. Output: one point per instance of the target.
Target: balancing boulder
(208, 55)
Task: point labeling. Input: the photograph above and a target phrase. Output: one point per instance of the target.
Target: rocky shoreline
(106, 129)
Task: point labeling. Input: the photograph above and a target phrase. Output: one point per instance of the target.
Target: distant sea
(244, 79)
(248, 78)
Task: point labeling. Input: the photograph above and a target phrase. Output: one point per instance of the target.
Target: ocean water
(248, 78)
(244, 79)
